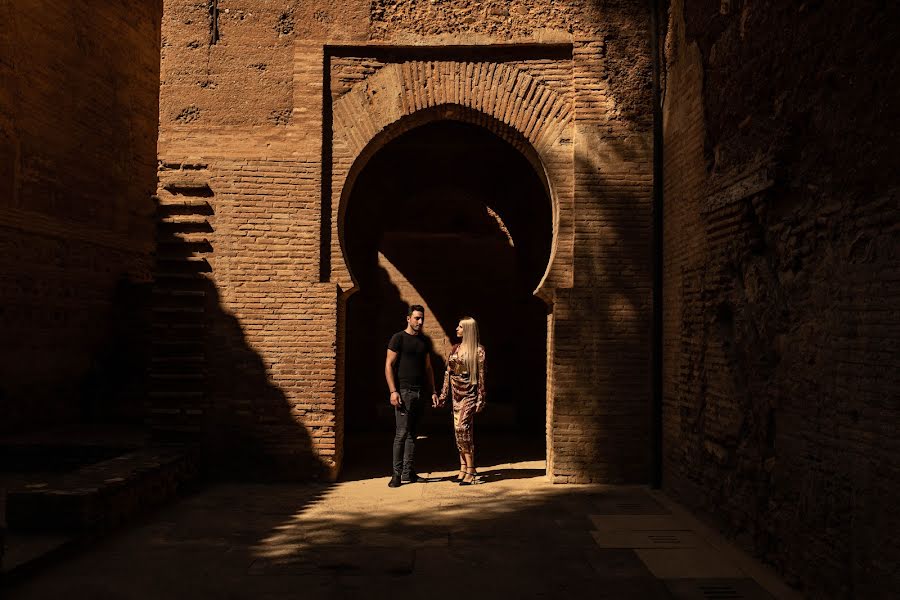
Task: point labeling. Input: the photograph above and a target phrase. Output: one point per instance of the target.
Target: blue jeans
(406, 417)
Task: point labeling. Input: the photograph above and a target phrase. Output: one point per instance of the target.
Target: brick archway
(522, 109)
(506, 100)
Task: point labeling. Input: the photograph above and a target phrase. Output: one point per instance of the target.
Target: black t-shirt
(410, 366)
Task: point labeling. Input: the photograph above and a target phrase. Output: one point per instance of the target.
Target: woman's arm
(479, 403)
(445, 390)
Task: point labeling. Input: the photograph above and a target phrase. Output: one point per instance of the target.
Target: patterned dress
(466, 397)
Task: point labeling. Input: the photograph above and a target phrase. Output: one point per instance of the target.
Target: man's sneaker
(395, 482)
(413, 478)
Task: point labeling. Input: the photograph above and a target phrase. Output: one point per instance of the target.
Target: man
(407, 368)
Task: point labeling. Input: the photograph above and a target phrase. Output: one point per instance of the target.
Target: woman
(464, 380)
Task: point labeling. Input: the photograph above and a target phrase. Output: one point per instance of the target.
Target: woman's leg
(467, 418)
(460, 441)
(470, 466)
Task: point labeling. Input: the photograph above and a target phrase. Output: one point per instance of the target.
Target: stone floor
(513, 536)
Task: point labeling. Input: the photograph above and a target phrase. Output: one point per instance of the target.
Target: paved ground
(513, 536)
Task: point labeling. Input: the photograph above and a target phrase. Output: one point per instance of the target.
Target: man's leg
(412, 403)
(401, 420)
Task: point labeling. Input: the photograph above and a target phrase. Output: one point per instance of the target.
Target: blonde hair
(468, 349)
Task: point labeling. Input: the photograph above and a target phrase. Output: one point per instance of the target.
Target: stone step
(175, 345)
(183, 224)
(166, 361)
(175, 376)
(176, 349)
(169, 347)
(176, 395)
(162, 374)
(180, 253)
(28, 552)
(174, 238)
(182, 325)
(168, 367)
(180, 429)
(188, 187)
(183, 220)
(178, 309)
(196, 283)
(178, 333)
(100, 495)
(181, 257)
(181, 200)
(178, 359)
(66, 447)
(179, 276)
(182, 264)
(173, 245)
(178, 293)
(184, 206)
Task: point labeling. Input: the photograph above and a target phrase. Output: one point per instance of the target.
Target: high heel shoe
(462, 473)
(474, 480)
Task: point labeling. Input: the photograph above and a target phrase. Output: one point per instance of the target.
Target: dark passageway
(452, 217)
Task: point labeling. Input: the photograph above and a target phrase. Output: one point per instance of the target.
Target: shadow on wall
(614, 345)
(223, 399)
(115, 383)
(781, 402)
(78, 131)
(256, 430)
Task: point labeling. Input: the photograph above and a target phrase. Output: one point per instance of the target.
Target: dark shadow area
(250, 432)
(209, 409)
(452, 217)
(783, 330)
(79, 112)
(114, 386)
(78, 158)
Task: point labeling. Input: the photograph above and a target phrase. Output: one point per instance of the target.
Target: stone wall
(78, 128)
(243, 93)
(781, 284)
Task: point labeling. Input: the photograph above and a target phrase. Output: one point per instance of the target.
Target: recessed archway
(451, 216)
(520, 103)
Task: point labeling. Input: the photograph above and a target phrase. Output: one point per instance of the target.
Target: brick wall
(780, 292)
(242, 85)
(78, 125)
(602, 382)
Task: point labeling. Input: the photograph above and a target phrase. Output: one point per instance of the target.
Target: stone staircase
(99, 496)
(62, 488)
(177, 375)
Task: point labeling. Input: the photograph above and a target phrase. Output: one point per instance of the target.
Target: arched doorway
(453, 217)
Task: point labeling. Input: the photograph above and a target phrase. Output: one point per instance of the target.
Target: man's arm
(389, 362)
(430, 373)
